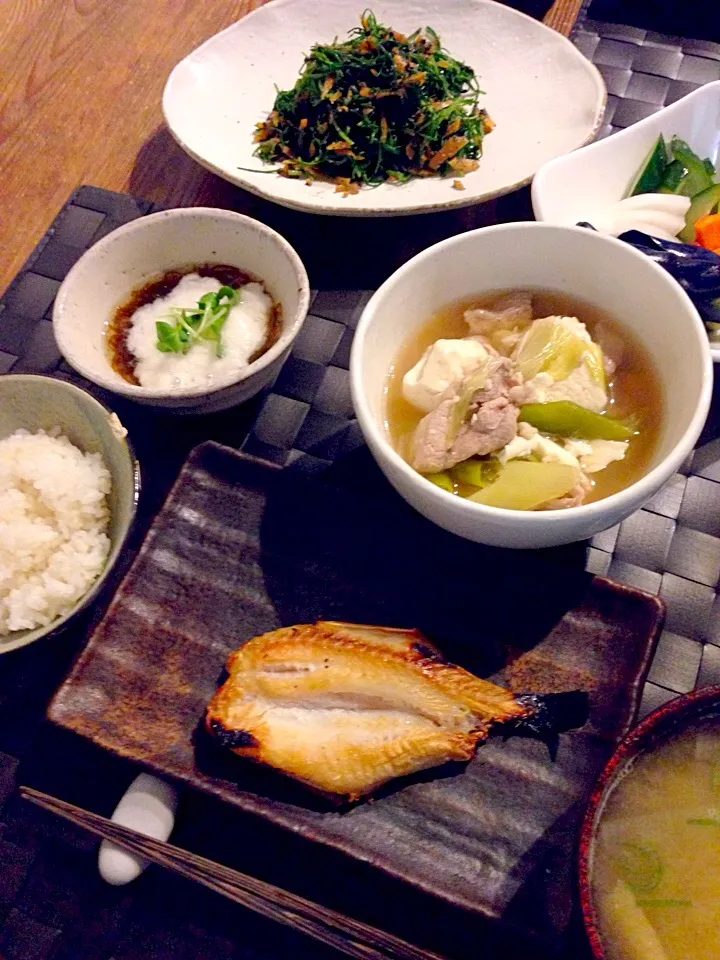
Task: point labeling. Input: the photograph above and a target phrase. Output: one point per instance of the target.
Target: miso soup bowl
(572, 260)
(107, 274)
(667, 721)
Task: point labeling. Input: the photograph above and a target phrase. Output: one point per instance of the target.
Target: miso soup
(655, 872)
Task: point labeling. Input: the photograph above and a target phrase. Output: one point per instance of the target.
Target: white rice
(53, 527)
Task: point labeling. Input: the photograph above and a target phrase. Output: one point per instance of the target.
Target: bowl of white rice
(69, 488)
(193, 310)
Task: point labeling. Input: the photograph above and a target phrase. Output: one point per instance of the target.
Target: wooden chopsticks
(352, 937)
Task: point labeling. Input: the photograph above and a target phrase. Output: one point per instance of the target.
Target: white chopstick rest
(148, 806)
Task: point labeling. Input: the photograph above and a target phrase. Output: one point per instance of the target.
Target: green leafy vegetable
(665, 902)
(379, 106)
(639, 866)
(703, 822)
(562, 418)
(191, 326)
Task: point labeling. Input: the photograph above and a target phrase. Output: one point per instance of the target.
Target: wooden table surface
(80, 90)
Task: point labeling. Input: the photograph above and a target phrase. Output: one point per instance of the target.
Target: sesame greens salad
(377, 107)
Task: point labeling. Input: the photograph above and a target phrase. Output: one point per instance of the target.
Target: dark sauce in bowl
(123, 361)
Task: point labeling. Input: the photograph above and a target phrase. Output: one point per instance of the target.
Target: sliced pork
(490, 425)
(508, 311)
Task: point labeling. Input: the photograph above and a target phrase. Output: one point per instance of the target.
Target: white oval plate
(544, 96)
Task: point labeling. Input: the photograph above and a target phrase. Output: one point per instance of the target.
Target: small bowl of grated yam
(69, 488)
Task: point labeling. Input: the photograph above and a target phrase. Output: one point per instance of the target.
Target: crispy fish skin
(345, 707)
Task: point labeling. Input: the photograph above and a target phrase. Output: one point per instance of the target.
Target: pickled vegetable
(697, 176)
(707, 231)
(672, 179)
(652, 171)
(673, 168)
(563, 418)
(702, 206)
(526, 485)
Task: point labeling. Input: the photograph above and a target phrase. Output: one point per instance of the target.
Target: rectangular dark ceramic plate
(241, 547)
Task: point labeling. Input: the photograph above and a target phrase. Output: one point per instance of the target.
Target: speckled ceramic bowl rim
(8, 645)
(138, 226)
(670, 718)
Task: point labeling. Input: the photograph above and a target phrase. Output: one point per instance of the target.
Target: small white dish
(587, 182)
(602, 270)
(106, 275)
(544, 96)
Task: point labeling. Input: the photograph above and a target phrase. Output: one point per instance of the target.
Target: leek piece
(469, 387)
(442, 480)
(630, 928)
(665, 902)
(476, 473)
(593, 360)
(639, 866)
(563, 418)
(526, 485)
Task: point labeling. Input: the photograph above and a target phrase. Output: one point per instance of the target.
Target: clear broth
(635, 388)
(668, 803)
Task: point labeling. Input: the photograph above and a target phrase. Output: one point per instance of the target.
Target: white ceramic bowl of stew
(600, 270)
(106, 275)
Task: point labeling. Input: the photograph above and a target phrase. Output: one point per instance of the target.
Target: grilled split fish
(344, 708)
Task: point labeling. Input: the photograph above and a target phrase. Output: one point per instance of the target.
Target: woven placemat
(643, 70)
(671, 547)
(52, 907)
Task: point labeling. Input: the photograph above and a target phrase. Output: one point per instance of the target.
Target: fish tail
(549, 715)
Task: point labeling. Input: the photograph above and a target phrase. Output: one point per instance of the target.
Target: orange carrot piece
(707, 231)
